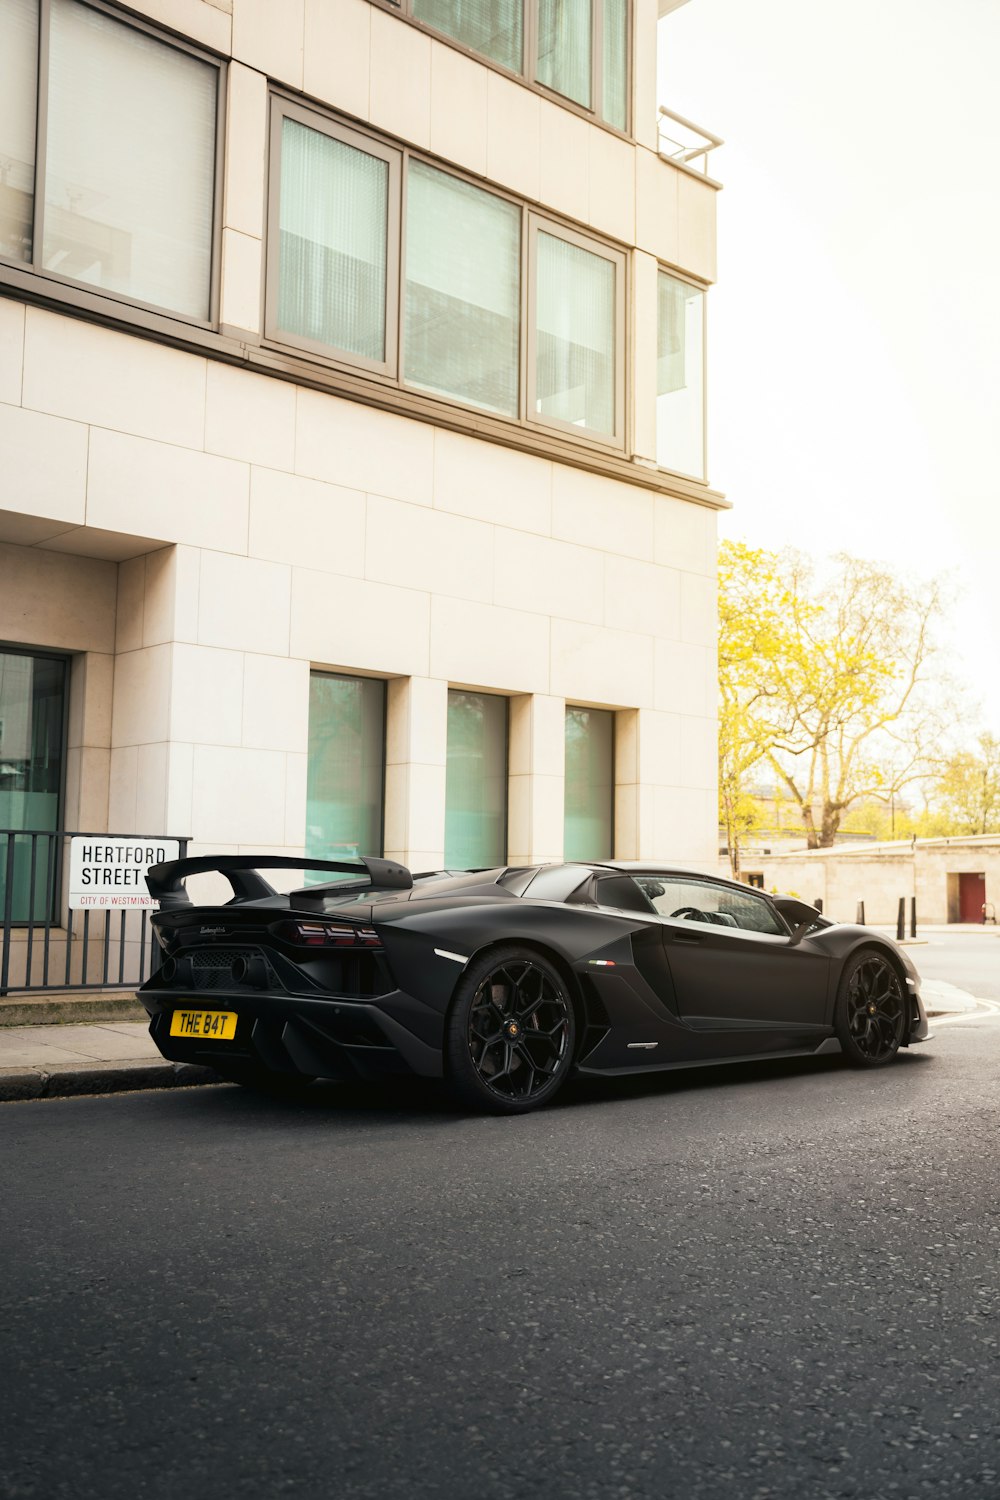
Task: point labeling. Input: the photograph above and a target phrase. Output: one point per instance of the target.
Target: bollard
(913, 916)
(901, 920)
(860, 918)
(818, 903)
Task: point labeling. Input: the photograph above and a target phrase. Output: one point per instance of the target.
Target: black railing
(46, 944)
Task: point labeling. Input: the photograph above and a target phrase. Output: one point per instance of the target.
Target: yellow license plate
(218, 1025)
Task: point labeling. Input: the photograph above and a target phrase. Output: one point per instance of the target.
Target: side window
(718, 905)
(624, 893)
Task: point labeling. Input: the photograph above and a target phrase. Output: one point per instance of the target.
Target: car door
(733, 967)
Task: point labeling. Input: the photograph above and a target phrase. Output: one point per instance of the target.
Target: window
(123, 197)
(680, 376)
(32, 716)
(18, 108)
(565, 55)
(714, 905)
(463, 290)
(578, 322)
(334, 254)
(346, 769)
(493, 28)
(590, 784)
(576, 48)
(475, 829)
(464, 293)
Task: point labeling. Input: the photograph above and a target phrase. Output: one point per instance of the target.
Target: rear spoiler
(166, 881)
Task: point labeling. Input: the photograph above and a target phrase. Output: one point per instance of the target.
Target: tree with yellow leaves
(828, 682)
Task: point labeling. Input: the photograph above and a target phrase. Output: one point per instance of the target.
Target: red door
(971, 895)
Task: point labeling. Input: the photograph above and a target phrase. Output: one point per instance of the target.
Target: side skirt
(827, 1048)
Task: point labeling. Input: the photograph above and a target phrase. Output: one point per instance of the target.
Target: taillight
(327, 935)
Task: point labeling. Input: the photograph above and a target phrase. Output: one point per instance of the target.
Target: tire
(263, 1080)
(871, 1009)
(510, 1034)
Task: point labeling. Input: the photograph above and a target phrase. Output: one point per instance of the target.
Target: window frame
(698, 286)
(282, 107)
(105, 295)
(526, 75)
(544, 224)
(283, 102)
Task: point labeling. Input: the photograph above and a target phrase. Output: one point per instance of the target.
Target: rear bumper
(299, 1034)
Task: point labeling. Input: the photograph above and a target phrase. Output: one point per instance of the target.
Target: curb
(101, 1078)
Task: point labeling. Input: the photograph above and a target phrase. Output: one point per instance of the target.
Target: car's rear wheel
(510, 1034)
(870, 1016)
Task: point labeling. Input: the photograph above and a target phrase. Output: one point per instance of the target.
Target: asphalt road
(969, 959)
(769, 1281)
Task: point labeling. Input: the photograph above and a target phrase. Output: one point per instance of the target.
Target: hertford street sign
(111, 872)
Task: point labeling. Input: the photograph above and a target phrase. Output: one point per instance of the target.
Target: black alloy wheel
(870, 1018)
(510, 1034)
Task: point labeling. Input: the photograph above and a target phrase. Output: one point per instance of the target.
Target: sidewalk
(109, 1057)
(48, 1062)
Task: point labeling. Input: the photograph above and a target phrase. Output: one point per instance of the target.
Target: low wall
(879, 876)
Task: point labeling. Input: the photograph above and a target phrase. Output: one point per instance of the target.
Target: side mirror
(799, 915)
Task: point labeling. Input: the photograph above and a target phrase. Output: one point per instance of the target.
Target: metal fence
(48, 946)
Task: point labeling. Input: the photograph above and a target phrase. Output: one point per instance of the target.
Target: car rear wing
(166, 881)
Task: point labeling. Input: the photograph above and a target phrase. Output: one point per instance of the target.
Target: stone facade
(198, 533)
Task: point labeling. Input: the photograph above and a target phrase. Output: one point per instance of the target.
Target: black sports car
(504, 982)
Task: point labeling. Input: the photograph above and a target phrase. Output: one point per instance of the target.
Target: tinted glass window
(703, 901)
(475, 821)
(32, 703)
(590, 784)
(333, 242)
(129, 162)
(463, 290)
(346, 769)
(575, 335)
(492, 27)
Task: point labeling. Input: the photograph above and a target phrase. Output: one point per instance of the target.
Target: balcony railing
(685, 143)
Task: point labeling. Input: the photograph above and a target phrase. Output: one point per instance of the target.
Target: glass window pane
(575, 353)
(590, 784)
(18, 89)
(463, 250)
(492, 27)
(475, 829)
(32, 701)
(680, 370)
(333, 223)
(614, 84)
(346, 770)
(130, 162)
(564, 47)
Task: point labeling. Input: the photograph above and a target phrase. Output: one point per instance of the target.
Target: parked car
(506, 982)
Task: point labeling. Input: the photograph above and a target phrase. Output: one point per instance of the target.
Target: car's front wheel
(870, 1016)
(510, 1033)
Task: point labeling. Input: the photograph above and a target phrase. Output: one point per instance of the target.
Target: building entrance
(971, 896)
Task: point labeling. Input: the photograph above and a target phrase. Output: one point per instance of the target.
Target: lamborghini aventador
(506, 982)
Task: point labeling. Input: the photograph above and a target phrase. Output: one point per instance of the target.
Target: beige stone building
(353, 492)
(952, 879)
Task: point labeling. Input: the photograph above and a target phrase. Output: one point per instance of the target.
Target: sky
(854, 334)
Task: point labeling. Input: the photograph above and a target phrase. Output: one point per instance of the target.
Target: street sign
(111, 872)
